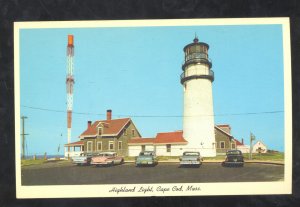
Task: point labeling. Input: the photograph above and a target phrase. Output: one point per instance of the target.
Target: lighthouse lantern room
(198, 113)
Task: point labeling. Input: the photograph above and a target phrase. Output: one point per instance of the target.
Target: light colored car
(146, 158)
(107, 158)
(191, 159)
(82, 159)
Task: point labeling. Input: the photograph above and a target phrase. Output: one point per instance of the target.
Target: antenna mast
(70, 82)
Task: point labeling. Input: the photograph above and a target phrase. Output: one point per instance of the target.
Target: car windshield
(235, 152)
(146, 153)
(191, 153)
(106, 155)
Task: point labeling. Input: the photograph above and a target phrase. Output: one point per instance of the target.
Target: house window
(111, 145)
(89, 146)
(222, 145)
(120, 145)
(99, 146)
(168, 146)
(133, 132)
(125, 132)
(143, 148)
(232, 145)
(100, 131)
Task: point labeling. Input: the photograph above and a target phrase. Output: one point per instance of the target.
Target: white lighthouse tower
(198, 113)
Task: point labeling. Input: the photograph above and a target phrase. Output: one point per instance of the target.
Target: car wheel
(122, 161)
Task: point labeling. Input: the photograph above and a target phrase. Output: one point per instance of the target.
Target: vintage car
(107, 158)
(82, 159)
(146, 158)
(191, 158)
(234, 158)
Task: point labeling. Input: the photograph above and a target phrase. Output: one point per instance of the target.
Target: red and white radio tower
(70, 82)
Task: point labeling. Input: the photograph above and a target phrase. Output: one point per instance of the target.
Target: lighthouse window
(193, 49)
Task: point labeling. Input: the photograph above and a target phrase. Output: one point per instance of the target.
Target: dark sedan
(233, 158)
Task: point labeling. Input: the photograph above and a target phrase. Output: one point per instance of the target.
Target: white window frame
(98, 146)
(100, 129)
(87, 146)
(125, 132)
(221, 145)
(113, 143)
(120, 148)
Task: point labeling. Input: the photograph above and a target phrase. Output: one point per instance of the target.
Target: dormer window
(100, 131)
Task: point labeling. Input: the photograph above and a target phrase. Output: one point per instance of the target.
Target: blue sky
(135, 72)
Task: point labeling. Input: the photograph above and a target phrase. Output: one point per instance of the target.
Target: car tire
(122, 161)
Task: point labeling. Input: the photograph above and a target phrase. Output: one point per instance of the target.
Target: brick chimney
(108, 114)
(89, 124)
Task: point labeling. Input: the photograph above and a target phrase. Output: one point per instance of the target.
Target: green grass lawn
(39, 162)
(266, 156)
(32, 162)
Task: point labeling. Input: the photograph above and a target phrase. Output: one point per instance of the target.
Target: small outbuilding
(259, 147)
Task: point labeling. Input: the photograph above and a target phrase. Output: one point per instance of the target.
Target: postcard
(138, 108)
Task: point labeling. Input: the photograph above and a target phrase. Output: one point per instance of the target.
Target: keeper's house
(104, 135)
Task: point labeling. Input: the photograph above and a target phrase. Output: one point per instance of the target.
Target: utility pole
(23, 136)
(252, 137)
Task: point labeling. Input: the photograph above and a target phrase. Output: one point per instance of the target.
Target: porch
(74, 149)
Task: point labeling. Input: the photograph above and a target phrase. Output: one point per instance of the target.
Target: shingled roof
(161, 138)
(238, 143)
(170, 137)
(73, 144)
(109, 127)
